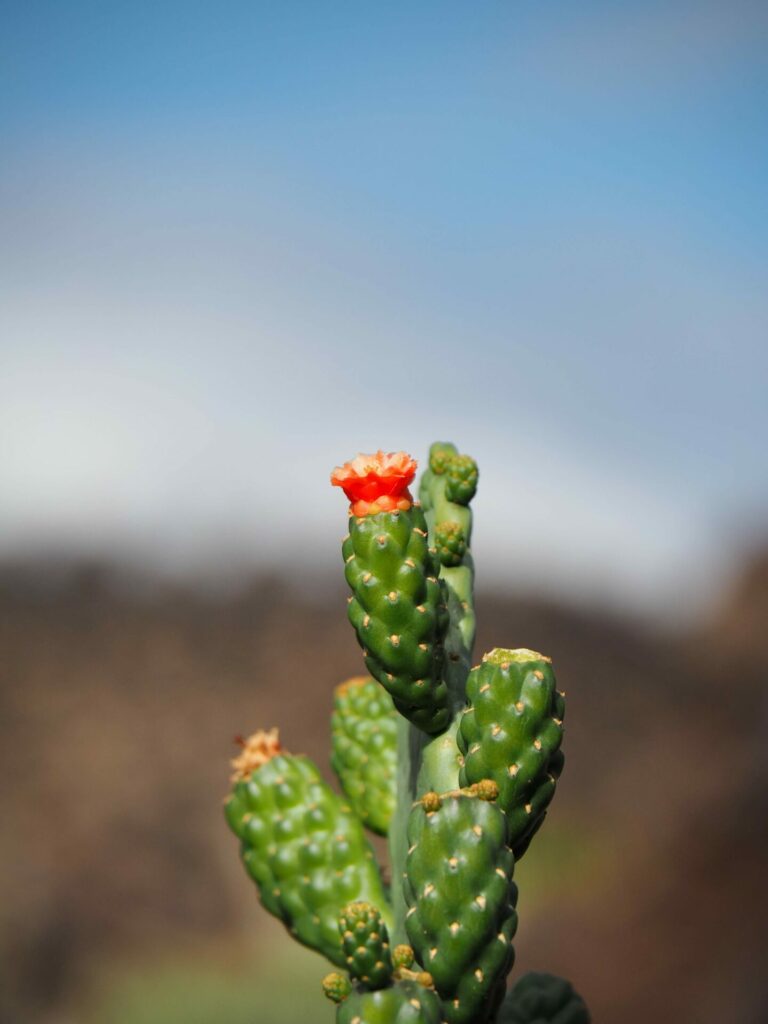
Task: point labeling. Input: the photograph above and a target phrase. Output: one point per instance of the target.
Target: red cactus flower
(376, 483)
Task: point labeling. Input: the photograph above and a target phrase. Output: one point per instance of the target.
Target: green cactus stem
(365, 942)
(302, 846)
(511, 732)
(397, 611)
(406, 1002)
(364, 750)
(539, 998)
(461, 898)
(433, 764)
(450, 532)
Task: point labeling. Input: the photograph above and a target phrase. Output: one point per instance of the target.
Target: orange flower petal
(370, 478)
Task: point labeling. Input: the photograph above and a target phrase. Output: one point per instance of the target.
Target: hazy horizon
(237, 250)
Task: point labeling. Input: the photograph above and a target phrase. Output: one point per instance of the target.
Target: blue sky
(241, 242)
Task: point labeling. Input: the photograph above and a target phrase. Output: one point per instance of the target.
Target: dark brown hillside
(118, 705)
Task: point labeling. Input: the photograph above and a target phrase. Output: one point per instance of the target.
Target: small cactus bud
(439, 459)
(461, 479)
(486, 789)
(402, 956)
(450, 542)
(336, 987)
(365, 942)
(431, 802)
(425, 978)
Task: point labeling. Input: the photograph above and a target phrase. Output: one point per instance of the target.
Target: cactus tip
(336, 987)
(350, 684)
(503, 656)
(440, 454)
(402, 956)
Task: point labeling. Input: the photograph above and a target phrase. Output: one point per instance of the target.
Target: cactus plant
(456, 764)
(539, 998)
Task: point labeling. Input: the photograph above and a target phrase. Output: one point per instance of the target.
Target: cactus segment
(397, 611)
(461, 899)
(450, 531)
(539, 998)
(364, 750)
(365, 941)
(303, 847)
(511, 732)
(450, 542)
(406, 1002)
(424, 763)
(461, 479)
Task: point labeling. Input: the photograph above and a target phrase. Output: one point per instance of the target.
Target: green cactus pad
(461, 898)
(450, 542)
(539, 998)
(397, 611)
(364, 750)
(365, 941)
(511, 733)
(406, 1002)
(461, 479)
(303, 847)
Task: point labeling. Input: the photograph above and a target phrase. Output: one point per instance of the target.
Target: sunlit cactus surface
(455, 761)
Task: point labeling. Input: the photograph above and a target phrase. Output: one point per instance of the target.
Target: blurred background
(241, 242)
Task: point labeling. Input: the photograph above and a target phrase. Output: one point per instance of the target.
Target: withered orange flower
(376, 483)
(255, 751)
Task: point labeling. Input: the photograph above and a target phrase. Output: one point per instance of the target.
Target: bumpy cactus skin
(511, 733)
(539, 998)
(461, 899)
(406, 1002)
(364, 750)
(397, 611)
(456, 765)
(305, 850)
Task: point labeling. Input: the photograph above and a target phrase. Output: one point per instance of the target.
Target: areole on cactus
(456, 764)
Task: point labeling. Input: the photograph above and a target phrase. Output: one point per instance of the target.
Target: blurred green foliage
(277, 986)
